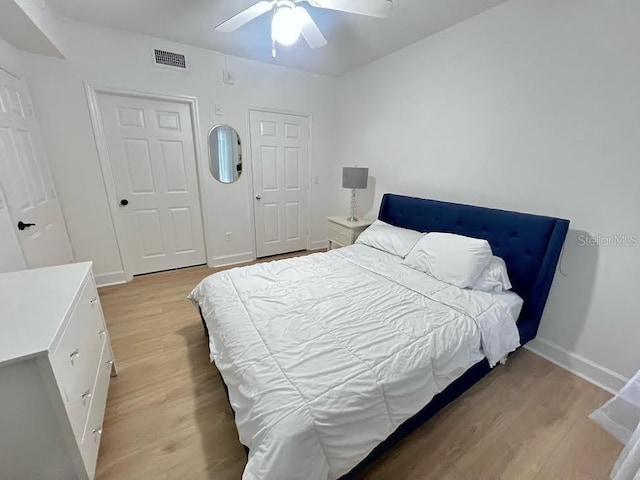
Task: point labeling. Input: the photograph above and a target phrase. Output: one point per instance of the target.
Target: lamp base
(352, 217)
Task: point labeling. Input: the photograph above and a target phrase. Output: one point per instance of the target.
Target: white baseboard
(228, 260)
(319, 245)
(578, 365)
(107, 279)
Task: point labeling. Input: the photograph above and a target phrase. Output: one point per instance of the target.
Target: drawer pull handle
(86, 395)
(97, 431)
(102, 332)
(109, 363)
(75, 354)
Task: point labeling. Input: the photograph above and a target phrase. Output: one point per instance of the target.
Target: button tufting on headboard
(529, 244)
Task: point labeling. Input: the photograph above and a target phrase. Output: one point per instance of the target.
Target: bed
(330, 358)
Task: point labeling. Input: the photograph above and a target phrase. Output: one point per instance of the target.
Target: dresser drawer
(93, 429)
(75, 360)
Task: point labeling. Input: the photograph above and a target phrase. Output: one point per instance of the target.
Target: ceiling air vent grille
(170, 59)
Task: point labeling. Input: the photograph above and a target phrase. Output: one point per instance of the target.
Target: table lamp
(354, 178)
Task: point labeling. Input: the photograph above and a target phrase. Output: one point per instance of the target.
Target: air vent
(169, 59)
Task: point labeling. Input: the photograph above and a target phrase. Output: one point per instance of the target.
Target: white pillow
(493, 278)
(450, 258)
(385, 237)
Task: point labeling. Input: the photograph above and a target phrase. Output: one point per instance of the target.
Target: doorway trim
(105, 163)
(250, 190)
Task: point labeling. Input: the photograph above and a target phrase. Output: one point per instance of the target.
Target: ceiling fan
(290, 19)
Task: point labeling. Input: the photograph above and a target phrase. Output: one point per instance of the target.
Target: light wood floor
(168, 418)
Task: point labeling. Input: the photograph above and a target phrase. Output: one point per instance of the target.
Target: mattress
(324, 356)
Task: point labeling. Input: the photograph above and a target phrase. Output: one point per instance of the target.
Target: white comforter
(326, 355)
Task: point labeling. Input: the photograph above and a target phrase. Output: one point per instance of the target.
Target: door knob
(124, 202)
(22, 225)
(258, 197)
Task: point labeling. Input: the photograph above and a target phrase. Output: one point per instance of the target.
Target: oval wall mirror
(225, 154)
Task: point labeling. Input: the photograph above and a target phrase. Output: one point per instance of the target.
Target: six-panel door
(27, 182)
(152, 157)
(279, 156)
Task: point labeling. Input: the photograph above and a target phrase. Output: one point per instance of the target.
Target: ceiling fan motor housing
(285, 3)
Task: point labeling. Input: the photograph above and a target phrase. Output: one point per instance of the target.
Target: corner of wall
(578, 365)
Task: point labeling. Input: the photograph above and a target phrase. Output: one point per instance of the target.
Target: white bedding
(326, 355)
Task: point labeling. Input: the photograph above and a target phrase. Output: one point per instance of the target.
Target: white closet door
(153, 162)
(280, 162)
(26, 180)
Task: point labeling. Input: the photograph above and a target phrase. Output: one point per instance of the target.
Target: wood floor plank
(168, 417)
(587, 451)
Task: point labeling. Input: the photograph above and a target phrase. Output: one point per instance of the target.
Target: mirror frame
(219, 125)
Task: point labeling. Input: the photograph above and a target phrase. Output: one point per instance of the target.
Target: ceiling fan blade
(310, 30)
(371, 8)
(245, 17)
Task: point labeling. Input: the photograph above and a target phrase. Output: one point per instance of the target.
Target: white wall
(532, 106)
(11, 257)
(104, 57)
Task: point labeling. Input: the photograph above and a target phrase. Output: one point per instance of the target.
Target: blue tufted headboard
(529, 244)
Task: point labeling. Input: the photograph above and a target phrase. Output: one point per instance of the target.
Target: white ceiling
(354, 40)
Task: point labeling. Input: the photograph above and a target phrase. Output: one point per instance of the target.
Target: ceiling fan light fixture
(290, 21)
(285, 26)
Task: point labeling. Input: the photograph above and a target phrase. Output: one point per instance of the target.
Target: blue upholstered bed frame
(529, 244)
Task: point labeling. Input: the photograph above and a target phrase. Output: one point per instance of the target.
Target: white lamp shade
(355, 177)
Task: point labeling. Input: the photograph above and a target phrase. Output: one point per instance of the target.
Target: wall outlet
(228, 237)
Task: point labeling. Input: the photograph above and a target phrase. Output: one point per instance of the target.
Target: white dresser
(55, 364)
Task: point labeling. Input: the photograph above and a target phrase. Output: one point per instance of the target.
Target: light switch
(227, 77)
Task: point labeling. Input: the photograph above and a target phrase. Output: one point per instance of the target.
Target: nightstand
(342, 232)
